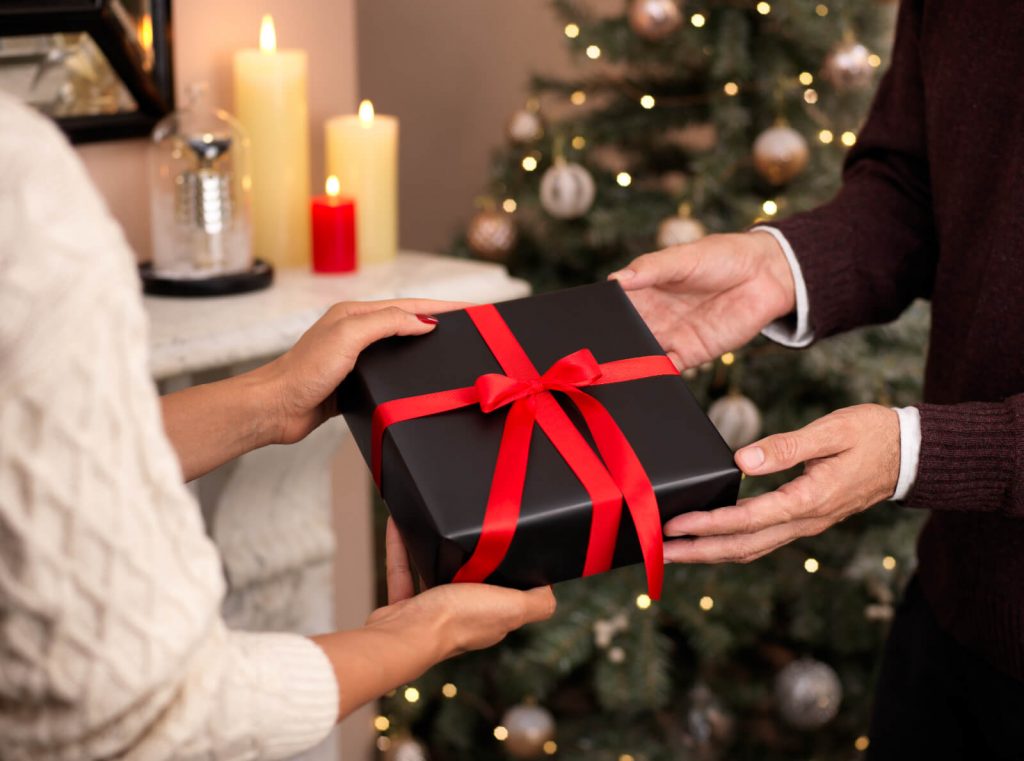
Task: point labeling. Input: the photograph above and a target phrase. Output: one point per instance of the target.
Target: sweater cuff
(297, 703)
(820, 245)
(968, 457)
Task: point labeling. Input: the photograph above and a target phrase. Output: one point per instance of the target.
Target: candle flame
(332, 186)
(145, 32)
(268, 35)
(366, 113)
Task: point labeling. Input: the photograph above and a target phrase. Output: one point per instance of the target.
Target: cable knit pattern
(111, 641)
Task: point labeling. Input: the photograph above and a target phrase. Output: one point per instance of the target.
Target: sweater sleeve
(111, 640)
(868, 253)
(972, 457)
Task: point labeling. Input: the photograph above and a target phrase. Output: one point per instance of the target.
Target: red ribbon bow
(616, 475)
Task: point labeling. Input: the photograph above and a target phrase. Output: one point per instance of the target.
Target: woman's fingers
(414, 306)
(538, 605)
(399, 574)
(359, 331)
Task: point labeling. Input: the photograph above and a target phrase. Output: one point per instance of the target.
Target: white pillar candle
(272, 103)
(362, 151)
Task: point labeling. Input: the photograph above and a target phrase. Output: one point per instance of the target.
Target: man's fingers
(785, 450)
(668, 266)
(740, 548)
(747, 517)
(399, 574)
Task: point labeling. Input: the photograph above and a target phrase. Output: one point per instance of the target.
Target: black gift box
(437, 471)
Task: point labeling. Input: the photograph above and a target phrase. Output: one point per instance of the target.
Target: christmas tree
(682, 122)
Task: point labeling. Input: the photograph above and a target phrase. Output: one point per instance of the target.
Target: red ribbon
(616, 475)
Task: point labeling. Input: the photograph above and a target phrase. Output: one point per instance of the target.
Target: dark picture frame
(152, 90)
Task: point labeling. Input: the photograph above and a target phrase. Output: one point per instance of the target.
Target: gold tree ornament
(780, 154)
(492, 234)
(848, 66)
(680, 229)
(529, 727)
(654, 20)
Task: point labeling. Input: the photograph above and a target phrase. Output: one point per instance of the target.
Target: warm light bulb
(770, 208)
(578, 98)
(848, 138)
(268, 35)
(647, 101)
(500, 733)
(730, 88)
(826, 136)
(707, 602)
(821, 9)
(572, 31)
(449, 690)
(874, 60)
(811, 96)
(579, 142)
(643, 602)
(728, 358)
(698, 20)
(862, 743)
(411, 694)
(593, 52)
(509, 205)
(366, 114)
(811, 565)
(888, 562)
(626, 757)
(550, 747)
(764, 8)
(806, 78)
(383, 743)
(332, 186)
(529, 163)
(382, 723)
(625, 179)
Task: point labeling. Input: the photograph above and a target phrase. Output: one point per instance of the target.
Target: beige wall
(205, 36)
(452, 71)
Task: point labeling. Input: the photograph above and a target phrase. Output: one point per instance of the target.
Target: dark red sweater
(932, 205)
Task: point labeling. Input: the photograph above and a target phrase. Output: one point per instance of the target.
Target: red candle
(334, 231)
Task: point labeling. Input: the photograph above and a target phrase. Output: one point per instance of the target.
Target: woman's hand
(299, 385)
(460, 617)
(852, 462)
(706, 298)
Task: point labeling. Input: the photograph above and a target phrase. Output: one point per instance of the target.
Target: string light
(579, 142)
(730, 88)
(383, 743)
(572, 31)
(593, 52)
(626, 757)
(888, 562)
(811, 565)
(647, 101)
(728, 358)
(578, 98)
(509, 205)
(500, 733)
(449, 690)
(806, 78)
(848, 138)
(411, 694)
(550, 747)
(382, 723)
(826, 136)
(811, 96)
(770, 208)
(764, 8)
(625, 179)
(821, 9)
(862, 743)
(529, 163)
(643, 602)
(874, 60)
(698, 20)
(706, 603)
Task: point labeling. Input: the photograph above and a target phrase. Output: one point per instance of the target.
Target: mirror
(101, 68)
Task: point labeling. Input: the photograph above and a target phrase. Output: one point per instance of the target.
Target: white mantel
(280, 523)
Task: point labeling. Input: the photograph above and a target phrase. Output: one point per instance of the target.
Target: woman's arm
(283, 401)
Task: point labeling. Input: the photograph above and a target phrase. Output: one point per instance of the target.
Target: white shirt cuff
(910, 450)
(783, 331)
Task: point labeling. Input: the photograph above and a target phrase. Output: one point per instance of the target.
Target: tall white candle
(362, 151)
(272, 102)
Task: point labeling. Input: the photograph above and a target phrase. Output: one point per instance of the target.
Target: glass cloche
(200, 187)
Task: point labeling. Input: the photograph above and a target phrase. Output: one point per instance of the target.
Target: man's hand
(852, 462)
(706, 298)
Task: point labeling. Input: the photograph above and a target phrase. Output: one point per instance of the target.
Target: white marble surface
(190, 335)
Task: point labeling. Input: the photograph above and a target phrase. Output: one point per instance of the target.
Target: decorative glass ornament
(808, 693)
(780, 154)
(567, 190)
(529, 727)
(654, 20)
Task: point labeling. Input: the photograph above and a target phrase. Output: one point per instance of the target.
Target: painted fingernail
(427, 319)
(750, 458)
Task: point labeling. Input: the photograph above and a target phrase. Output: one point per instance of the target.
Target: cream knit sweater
(111, 641)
